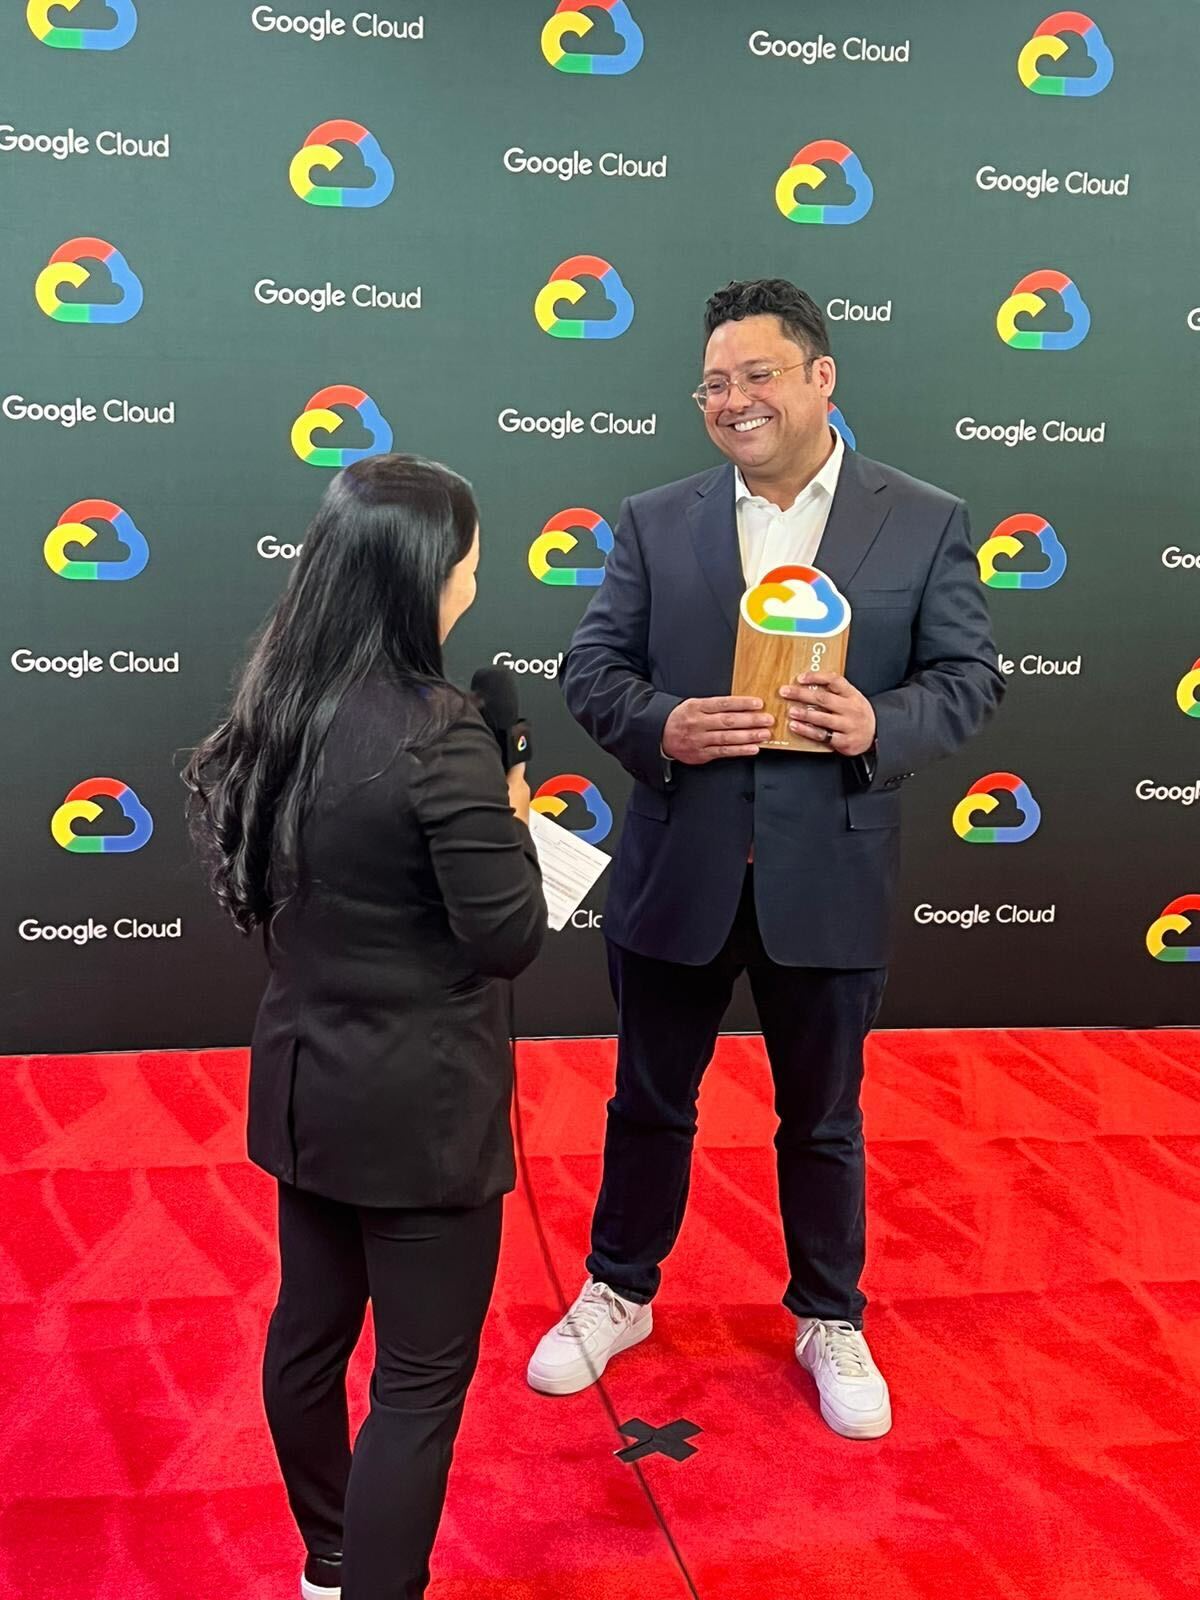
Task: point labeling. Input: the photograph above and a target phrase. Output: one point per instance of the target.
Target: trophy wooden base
(765, 661)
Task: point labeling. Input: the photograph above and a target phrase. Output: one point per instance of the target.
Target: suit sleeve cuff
(659, 769)
(866, 765)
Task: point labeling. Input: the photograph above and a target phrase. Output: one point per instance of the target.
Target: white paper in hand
(570, 866)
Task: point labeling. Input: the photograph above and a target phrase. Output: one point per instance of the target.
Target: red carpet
(1035, 1277)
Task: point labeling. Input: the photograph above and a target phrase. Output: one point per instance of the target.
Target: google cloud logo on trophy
(118, 31)
(66, 270)
(557, 540)
(794, 620)
(339, 406)
(570, 26)
(319, 156)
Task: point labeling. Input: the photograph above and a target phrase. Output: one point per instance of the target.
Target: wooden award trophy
(795, 620)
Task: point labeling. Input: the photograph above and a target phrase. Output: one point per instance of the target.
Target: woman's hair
(365, 595)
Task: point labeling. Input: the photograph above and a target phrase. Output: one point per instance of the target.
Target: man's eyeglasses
(713, 392)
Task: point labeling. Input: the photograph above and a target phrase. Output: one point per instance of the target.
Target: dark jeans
(814, 1021)
(429, 1277)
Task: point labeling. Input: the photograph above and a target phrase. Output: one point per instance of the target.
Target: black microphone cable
(563, 1303)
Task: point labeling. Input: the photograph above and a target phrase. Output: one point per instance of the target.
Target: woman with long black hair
(353, 806)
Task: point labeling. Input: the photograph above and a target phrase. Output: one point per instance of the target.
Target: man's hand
(827, 708)
(699, 731)
(518, 792)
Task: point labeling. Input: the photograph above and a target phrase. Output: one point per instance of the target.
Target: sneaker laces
(596, 1302)
(843, 1346)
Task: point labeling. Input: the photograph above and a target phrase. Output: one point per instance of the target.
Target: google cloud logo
(80, 806)
(1026, 301)
(1048, 46)
(317, 154)
(797, 600)
(555, 537)
(1188, 692)
(549, 801)
(571, 20)
(838, 421)
(319, 416)
(37, 14)
(72, 531)
(980, 799)
(804, 173)
(1004, 541)
(1174, 919)
(565, 289)
(64, 268)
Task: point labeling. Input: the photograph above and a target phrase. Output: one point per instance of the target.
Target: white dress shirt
(769, 537)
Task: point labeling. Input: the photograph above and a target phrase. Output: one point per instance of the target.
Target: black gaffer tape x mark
(668, 1440)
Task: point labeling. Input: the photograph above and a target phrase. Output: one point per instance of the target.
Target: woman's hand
(518, 793)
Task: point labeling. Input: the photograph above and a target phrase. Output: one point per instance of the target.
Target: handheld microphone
(495, 693)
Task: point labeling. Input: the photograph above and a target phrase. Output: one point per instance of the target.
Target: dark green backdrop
(203, 224)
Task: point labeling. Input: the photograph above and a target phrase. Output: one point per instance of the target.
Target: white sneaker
(319, 1591)
(321, 1579)
(854, 1395)
(597, 1327)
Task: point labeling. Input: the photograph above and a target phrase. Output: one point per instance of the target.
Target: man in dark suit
(735, 858)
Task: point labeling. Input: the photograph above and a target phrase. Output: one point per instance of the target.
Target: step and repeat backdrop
(246, 244)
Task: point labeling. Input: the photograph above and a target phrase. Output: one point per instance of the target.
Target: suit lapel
(860, 505)
(715, 539)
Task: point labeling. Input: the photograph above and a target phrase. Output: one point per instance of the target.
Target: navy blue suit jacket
(662, 628)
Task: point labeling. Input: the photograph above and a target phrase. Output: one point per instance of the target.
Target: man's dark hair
(802, 319)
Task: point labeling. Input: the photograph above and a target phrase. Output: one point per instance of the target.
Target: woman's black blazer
(381, 1072)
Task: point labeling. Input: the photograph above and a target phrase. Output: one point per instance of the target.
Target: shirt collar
(825, 480)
